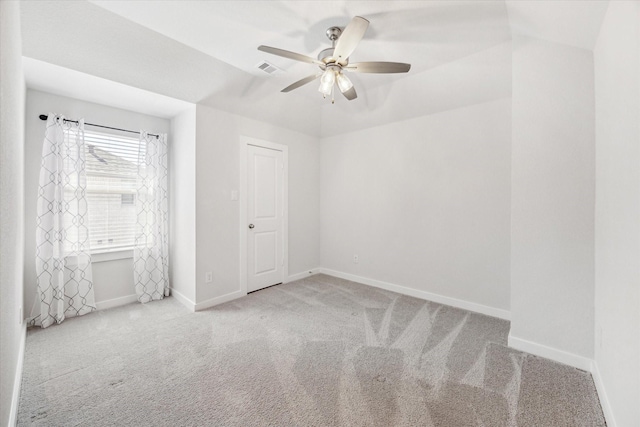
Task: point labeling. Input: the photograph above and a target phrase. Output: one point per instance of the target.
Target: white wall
(12, 100)
(217, 216)
(424, 203)
(553, 190)
(617, 226)
(182, 202)
(112, 279)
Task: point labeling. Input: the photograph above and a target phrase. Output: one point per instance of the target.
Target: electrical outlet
(356, 259)
(208, 277)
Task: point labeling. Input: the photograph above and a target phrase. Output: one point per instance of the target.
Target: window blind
(112, 171)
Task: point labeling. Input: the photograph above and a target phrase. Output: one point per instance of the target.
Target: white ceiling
(570, 22)
(205, 51)
(45, 77)
(426, 34)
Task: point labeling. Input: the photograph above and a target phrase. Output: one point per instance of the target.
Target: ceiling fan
(334, 60)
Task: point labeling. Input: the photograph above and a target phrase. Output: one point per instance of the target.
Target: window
(112, 171)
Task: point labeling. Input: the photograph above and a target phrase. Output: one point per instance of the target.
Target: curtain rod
(45, 117)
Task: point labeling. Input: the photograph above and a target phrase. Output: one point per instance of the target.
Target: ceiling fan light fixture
(327, 81)
(343, 82)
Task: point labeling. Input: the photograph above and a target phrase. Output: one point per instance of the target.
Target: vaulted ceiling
(205, 51)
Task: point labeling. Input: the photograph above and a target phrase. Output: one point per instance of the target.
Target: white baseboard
(302, 275)
(17, 382)
(192, 306)
(116, 302)
(602, 394)
(441, 299)
(552, 353)
(183, 300)
(219, 300)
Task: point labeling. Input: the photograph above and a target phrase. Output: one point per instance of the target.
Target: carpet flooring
(317, 352)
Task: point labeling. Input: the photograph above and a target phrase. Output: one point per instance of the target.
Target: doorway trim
(245, 141)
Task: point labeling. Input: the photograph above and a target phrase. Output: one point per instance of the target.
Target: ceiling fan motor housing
(326, 55)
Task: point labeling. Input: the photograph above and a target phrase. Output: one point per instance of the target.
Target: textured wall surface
(552, 196)
(424, 203)
(12, 99)
(182, 202)
(617, 302)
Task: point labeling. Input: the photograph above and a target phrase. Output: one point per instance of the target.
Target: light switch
(234, 195)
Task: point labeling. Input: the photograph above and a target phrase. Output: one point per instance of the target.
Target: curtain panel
(151, 251)
(63, 262)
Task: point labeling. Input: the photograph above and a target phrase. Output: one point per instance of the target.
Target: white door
(265, 217)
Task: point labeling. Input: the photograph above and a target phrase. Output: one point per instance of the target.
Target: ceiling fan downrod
(333, 34)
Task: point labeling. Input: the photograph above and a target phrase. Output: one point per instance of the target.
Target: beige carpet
(317, 352)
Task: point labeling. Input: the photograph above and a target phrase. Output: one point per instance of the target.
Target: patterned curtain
(151, 251)
(63, 262)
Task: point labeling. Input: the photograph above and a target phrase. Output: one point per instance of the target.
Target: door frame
(245, 141)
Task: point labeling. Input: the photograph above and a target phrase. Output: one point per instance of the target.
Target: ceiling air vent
(268, 67)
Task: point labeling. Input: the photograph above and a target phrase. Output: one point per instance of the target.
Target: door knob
(251, 225)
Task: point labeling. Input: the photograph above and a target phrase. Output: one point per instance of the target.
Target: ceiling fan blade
(289, 54)
(350, 38)
(378, 67)
(301, 82)
(350, 94)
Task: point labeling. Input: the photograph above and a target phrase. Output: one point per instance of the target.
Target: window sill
(111, 255)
